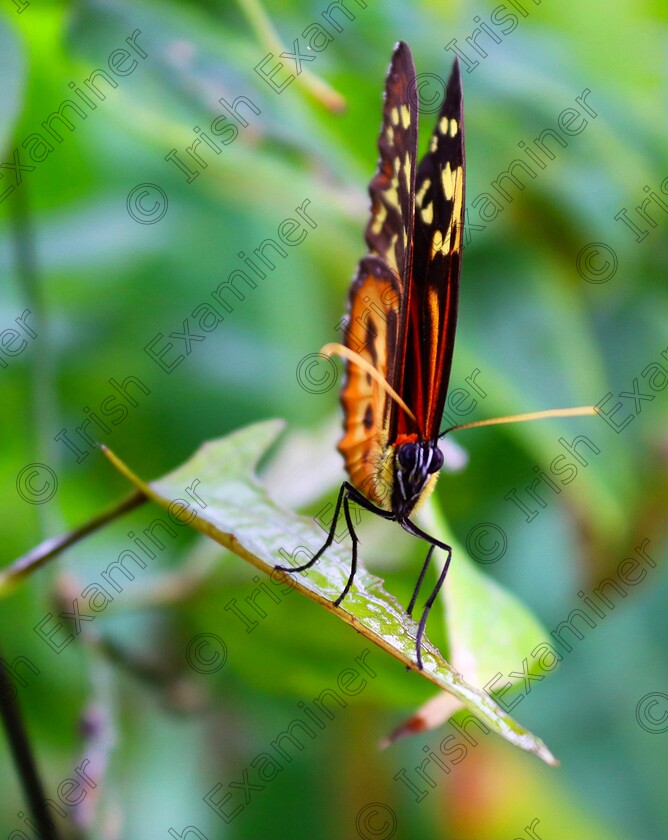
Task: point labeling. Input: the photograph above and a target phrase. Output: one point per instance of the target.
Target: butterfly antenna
(334, 348)
(580, 411)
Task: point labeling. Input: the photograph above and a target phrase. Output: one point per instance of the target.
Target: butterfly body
(403, 300)
(399, 334)
(402, 311)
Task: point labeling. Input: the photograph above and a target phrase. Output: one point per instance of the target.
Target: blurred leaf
(489, 629)
(12, 75)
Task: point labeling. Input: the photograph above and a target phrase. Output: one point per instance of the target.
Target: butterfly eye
(407, 455)
(436, 461)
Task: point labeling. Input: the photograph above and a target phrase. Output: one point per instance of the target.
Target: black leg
(346, 493)
(353, 563)
(412, 528)
(427, 607)
(423, 571)
(328, 541)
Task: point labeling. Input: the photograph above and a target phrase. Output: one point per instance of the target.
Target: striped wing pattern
(379, 292)
(371, 331)
(437, 249)
(403, 299)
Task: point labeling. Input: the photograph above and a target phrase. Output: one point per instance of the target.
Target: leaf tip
(548, 758)
(542, 751)
(415, 724)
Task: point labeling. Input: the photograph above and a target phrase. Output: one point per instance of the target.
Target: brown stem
(23, 758)
(51, 547)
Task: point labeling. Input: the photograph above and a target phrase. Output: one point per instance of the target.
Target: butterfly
(399, 335)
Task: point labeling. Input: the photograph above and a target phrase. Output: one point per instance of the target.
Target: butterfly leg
(423, 571)
(412, 528)
(427, 608)
(355, 541)
(328, 541)
(352, 493)
(346, 492)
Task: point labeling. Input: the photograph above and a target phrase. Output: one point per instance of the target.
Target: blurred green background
(547, 319)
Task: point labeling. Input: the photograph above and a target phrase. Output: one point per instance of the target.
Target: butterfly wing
(436, 262)
(379, 297)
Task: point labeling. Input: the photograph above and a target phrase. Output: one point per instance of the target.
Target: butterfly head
(416, 463)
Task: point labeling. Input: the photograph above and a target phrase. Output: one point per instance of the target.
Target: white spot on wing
(379, 218)
(448, 181)
(421, 192)
(436, 242)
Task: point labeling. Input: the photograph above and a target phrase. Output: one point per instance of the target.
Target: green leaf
(237, 512)
(490, 633)
(489, 630)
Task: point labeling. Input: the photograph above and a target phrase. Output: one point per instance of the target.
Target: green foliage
(228, 505)
(535, 320)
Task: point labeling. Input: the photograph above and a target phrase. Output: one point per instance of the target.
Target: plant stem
(51, 547)
(259, 20)
(43, 396)
(23, 758)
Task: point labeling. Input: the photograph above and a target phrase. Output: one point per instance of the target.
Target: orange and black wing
(379, 298)
(436, 262)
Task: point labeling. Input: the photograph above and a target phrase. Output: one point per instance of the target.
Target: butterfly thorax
(416, 464)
